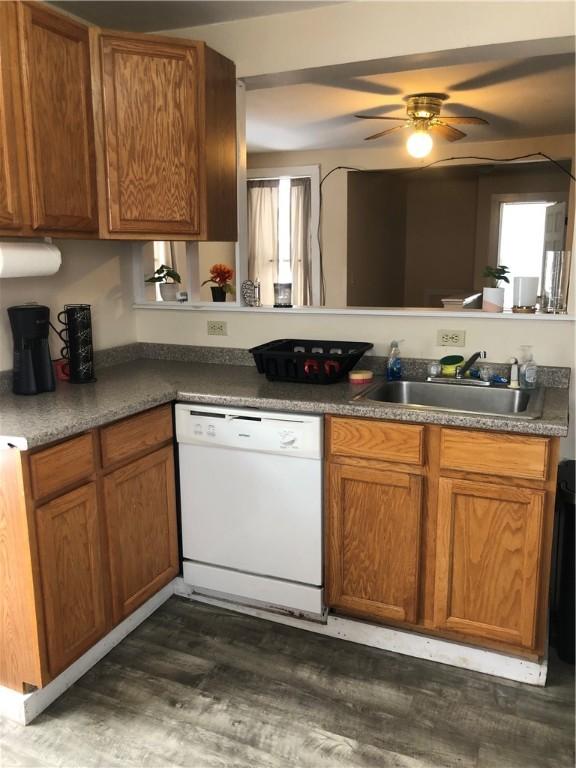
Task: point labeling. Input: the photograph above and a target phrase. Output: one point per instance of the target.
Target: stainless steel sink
(486, 401)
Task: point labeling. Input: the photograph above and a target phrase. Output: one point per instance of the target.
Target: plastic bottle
(394, 367)
(528, 371)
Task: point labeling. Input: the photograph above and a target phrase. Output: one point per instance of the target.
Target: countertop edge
(542, 428)
(538, 427)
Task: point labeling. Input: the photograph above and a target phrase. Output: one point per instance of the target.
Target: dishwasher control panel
(288, 434)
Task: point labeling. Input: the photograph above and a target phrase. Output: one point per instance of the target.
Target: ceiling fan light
(419, 144)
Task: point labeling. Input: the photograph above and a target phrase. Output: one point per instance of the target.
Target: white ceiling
(519, 98)
(148, 15)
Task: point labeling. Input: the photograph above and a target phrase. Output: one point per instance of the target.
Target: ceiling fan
(423, 116)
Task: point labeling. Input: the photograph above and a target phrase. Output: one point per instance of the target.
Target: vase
(169, 291)
(218, 293)
(493, 299)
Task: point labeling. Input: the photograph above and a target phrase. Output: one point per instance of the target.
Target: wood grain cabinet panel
(140, 503)
(57, 97)
(495, 454)
(166, 109)
(488, 559)
(379, 440)
(129, 437)
(61, 465)
(72, 574)
(151, 125)
(374, 521)
(13, 182)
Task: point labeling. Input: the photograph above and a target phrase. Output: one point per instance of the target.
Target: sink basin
(489, 401)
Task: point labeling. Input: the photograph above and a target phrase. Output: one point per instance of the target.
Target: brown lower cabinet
(374, 542)
(88, 533)
(451, 537)
(69, 531)
(140, 505)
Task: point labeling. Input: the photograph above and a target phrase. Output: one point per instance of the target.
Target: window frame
(299, 171)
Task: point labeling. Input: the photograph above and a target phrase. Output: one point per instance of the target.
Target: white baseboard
(25, 707)
(396, 640)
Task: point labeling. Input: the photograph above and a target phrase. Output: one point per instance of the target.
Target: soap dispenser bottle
(394, 367)
(528, 371)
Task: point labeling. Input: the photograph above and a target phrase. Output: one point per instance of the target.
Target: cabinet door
(487, 560)
(12, 156)
(59, 123)
(141, 519)
(150, 97)
(373, 551)
(72, 574)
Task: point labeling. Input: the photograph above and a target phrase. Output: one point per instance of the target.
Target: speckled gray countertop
(129, 387)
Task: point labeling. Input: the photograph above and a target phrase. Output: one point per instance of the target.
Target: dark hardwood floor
(201, 687)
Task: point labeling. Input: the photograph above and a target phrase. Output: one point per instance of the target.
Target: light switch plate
(217, 328)
(449, 338)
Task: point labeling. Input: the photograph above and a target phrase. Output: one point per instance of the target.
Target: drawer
(130, 437)
(61, 466)
(495, 454)
(379, 440)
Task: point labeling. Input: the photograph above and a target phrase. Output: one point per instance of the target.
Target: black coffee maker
(33, 372)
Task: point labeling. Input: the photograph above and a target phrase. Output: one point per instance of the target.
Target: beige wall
(364, 31)
(92, 272)
(334, 194)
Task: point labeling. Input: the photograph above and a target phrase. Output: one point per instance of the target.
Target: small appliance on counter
(306, 361)
(32, 372)
(77, 337)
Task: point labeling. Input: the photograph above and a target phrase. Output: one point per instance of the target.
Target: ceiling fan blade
(463, 120)
(378, 117)
(447, 132)
(383, 133)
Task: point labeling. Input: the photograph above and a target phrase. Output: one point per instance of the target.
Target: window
(283, 210)
(524, 227)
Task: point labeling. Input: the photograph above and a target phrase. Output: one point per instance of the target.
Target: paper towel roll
(28, 259)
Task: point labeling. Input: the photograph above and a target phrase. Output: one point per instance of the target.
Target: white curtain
(300, 241)
(263, 235)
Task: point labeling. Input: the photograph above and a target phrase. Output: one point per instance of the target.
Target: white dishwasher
(251, 500)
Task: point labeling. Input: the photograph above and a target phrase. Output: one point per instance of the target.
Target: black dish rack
(305, 361)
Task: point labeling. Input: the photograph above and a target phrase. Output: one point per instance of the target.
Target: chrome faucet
(462, 370)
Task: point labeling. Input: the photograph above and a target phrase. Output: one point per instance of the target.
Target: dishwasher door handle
(245, 418)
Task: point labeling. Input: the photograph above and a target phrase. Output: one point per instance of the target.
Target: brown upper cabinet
(13, 178)
(113, 135)
(59, 128)
(47, 152)
(169, 138)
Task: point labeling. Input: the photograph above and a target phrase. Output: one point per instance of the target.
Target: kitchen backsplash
(415, 368)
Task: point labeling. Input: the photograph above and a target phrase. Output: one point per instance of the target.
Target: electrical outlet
(217, 328)
(451, 338)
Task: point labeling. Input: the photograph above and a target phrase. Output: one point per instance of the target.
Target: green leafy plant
(496, 274)
(164, 274)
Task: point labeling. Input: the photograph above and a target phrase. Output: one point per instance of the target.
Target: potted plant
(169, 281)
(221, 275)
(493, 295)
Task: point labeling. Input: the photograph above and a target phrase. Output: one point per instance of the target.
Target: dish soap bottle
(394, 367)
(528, 371)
